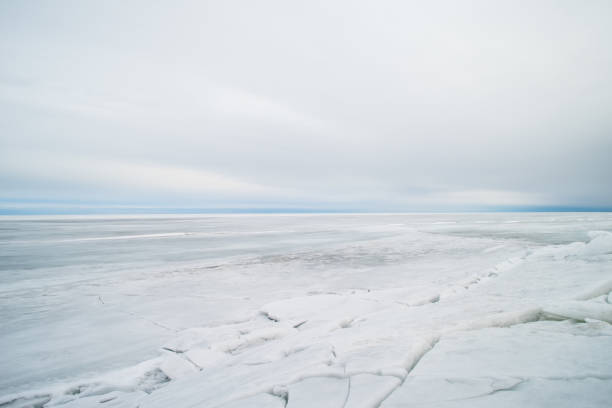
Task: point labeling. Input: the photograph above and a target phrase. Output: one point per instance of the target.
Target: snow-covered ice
(353, 311)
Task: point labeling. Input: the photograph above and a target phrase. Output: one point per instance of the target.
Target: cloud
(393, 105)
(116, 177)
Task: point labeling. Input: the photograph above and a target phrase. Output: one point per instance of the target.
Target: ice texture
(347, 311)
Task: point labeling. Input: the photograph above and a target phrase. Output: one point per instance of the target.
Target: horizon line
(155, 211)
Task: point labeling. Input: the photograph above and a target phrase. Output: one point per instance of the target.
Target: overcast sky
(360, 105)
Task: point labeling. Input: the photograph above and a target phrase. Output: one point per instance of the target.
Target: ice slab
(506, 366)
(323, 392)
(368, 391)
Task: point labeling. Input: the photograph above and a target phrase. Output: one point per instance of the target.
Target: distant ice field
(390, 310)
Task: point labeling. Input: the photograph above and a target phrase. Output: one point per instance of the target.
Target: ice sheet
(326, 310)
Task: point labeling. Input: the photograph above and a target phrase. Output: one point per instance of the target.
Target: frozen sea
(394, 310)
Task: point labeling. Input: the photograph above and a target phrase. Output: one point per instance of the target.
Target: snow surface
(446, 310)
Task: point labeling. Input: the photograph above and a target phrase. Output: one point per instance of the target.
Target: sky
(305, 105)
